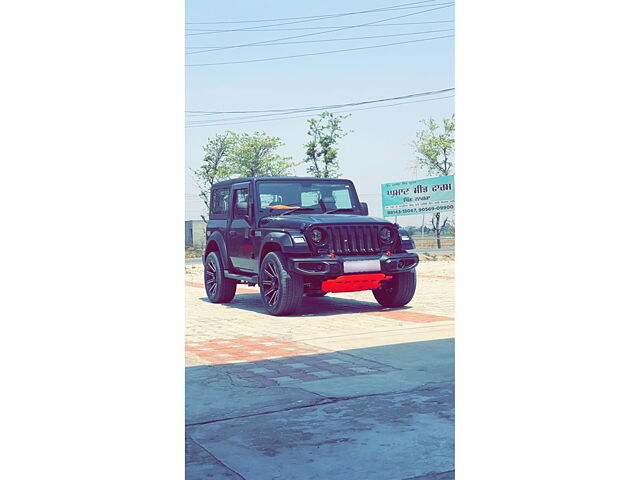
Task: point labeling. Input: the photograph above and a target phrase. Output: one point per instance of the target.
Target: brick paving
(220, 351)
(284, 370)
(440, 277)
(239, 289)
(332, 323)
(410, 316)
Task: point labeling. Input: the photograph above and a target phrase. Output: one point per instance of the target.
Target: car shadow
(310, 306)
(280, 417)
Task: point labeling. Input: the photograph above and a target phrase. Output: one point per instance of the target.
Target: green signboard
(415, 197)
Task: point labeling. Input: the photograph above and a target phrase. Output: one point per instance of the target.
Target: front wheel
(281, 291)
(398, 291)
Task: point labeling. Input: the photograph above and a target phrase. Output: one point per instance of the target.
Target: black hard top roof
(232, 181)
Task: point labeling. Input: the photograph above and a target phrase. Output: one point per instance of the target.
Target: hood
(300, 221)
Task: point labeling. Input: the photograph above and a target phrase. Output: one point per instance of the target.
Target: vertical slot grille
(353, 239)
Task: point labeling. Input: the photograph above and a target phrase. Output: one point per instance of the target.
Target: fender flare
(217, 238)
(282, 239)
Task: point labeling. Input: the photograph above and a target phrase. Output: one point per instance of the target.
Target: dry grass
(191, 252)
(429, 242)
(438, 257)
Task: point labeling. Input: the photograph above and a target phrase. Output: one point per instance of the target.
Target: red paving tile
(246, 349)
(409, 316)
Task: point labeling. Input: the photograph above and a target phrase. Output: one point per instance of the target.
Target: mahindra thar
(302, 236)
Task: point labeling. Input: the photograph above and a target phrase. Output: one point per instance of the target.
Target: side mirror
(365, 208)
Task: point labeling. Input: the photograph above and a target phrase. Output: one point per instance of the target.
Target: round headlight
(385, 235)
(316, 235)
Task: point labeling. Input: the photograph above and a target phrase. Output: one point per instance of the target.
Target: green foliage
(229, 154)
(254, 156)
(434, 150)
(450, 228)
(216, 164)
(321, 152)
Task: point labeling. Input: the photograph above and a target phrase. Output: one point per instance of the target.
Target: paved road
(343, 390)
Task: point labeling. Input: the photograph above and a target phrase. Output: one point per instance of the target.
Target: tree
(254, 156)
(229, 154)
(435, 151)
(216, 164)
(411, 230)
(325, 132)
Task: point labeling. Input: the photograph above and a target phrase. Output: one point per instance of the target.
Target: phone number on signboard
(420, 210)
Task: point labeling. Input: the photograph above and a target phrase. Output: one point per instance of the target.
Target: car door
(240, 238)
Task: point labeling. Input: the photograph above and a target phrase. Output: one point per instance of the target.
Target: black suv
(302, 236)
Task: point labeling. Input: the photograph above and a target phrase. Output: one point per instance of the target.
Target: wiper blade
(303, 209)
(340, 210)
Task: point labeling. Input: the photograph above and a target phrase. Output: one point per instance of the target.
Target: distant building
(194, 233)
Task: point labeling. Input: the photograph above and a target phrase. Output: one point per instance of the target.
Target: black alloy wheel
(211, 277)
(280, 290)
(271, 284)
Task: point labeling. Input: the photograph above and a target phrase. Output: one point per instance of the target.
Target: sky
(378, 149)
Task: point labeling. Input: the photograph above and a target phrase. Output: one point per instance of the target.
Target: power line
(324, 107)
(316, 53)
(301, 116)
(440, 6)
(324, 27)
(391, 7)
(319, 17)
(208, 49)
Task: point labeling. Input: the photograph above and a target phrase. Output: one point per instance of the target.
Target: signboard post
(417, 197)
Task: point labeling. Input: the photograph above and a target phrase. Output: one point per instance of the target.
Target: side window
(220, 202)
(241, 203)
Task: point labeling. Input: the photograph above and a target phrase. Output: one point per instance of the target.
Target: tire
(280, 290)
(398, 291)
(219, 288)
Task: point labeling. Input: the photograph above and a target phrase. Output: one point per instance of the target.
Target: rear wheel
(281, 291)
(398, 291)
(219, 289)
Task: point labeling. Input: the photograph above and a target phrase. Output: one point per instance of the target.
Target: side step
(252, 279)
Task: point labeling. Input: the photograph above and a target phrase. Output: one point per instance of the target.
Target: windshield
(306, 196)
